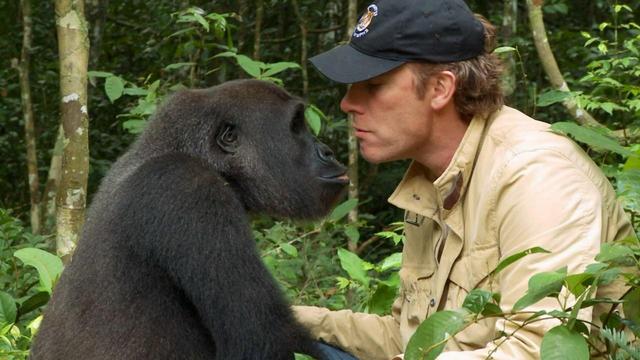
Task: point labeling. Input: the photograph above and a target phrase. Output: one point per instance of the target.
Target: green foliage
(566, 341)
(27, 274)
(258, 69)
(591, 137)
(562, 343)
(431, 336)
(540, 286)
(49, 266)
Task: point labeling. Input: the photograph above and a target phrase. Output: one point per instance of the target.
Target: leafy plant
(572, 339)
(28, 275)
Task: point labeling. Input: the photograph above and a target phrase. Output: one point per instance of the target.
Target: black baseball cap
(393, 32)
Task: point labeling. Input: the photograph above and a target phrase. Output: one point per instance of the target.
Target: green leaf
(491, 309)
(354, 266)
(614, 253)
(226, 54)
(114, 86)
(608, 276)
(37, 300)
(590, 137)
(476, 300)
(381, 301)
(8, 309)
(540, 286)
(302, 357)
(631, 305)
(136, 91)
(251, 67)
(179, 65)
(49, 266)
(551, 97)
(343, 209)
(201, 20)
(313, 119)
(391, 261)
(100, 74)
(504, 49)
(560, 343)
(428, 340)
(578, 283)
(289, 249)
(275, 68)
(515, 257)
(134, 126)
(352, 233)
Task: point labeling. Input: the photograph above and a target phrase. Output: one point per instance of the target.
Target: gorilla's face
(269, 155)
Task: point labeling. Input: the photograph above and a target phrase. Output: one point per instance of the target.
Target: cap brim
(345, 64)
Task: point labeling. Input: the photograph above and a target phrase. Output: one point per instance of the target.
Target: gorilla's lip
(342, 178)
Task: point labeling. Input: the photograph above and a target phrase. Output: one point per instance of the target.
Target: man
(486, 181)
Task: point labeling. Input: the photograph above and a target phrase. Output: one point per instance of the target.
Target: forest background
(574, 64)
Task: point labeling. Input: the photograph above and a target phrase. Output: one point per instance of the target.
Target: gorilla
(166, 266)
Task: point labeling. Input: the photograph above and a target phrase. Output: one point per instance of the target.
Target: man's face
(390, 121)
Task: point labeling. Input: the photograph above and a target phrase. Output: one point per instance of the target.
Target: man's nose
(349, 103)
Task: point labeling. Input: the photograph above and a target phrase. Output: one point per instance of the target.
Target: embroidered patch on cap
(365, 20)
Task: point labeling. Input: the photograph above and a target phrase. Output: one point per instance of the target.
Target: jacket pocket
(415, 292)
(472, 270)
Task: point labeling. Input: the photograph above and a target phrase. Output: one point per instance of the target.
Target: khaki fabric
(511, 185)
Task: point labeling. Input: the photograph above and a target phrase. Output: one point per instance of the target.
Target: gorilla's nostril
(324, 152)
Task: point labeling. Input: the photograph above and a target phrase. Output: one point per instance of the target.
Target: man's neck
(448, 130)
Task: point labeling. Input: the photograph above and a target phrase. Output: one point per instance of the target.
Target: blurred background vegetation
(141, 51)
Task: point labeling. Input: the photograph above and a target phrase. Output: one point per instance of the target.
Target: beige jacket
(511, 185)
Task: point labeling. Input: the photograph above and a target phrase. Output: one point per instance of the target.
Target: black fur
(166, 267)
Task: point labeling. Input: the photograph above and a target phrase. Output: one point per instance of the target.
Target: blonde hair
(478, 90)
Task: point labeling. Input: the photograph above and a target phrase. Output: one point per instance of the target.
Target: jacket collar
(417, 194)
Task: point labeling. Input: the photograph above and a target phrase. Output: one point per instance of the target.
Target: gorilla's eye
(229, 135)
(227, 138)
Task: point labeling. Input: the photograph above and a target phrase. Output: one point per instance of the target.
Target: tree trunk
(51, 187)
(73, 49)
(27, 113)
(303, 48)
(534, 8)
(352, 140)
(509, 28)
(98, 15)
(241, 32)
(258, 29)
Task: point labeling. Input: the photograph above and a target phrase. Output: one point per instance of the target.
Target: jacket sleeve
(366, 336)
(542, 199)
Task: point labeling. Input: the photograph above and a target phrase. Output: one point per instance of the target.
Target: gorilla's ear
(227, 138)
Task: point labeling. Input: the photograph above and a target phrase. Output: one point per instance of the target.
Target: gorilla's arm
(198, 233)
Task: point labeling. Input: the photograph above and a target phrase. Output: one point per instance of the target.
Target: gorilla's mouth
(341, 178)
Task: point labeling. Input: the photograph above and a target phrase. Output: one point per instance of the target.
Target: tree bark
(99, 9)
(258, 29)
(534, 8)
(73, 48)
(241, 32)
(29, 122)
(48, 206)
(536, 21)
(352, 140)
(303, 48)
(509, 28)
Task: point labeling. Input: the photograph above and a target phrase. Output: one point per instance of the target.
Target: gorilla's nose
(324, 152)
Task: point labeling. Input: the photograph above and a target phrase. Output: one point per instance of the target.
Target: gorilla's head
(254, 134)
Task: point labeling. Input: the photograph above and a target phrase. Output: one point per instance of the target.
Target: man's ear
(443, 86)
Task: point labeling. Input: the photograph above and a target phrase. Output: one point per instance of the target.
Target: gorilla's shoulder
(175, 173)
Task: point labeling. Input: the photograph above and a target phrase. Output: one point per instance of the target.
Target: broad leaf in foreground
(429, 339)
